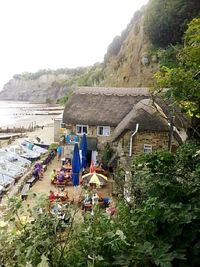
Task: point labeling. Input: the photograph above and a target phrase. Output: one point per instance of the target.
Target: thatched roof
(121, 108)
(112, 91)
(102, 106)
(149, 116)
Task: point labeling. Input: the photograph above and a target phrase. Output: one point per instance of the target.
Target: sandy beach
(43, 128)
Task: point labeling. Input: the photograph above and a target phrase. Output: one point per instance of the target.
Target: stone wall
(158, 140)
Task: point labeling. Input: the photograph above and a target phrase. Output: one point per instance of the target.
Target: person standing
(53, 176)
(59, 152)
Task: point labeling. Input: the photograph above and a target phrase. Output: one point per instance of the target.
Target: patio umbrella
(76, 165)
(95, 178)
(83, 148)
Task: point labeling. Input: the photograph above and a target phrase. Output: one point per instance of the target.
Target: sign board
(71, 139)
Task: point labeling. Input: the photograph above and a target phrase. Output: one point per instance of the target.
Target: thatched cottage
(126, 118)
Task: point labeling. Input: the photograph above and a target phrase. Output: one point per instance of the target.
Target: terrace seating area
(37, 173)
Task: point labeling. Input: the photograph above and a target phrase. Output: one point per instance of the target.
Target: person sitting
(61, 177)
(36, 173)
(111, 211)
(64, 196)
(55, 209)
(95, 198)
(53, 175)
(52, 196)
(39, 167)
(68, 164)
(103, 201)
(106, 202)
(87, 204)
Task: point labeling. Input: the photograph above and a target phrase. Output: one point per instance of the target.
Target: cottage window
(103, 130)
(81, 129)
(147, 148)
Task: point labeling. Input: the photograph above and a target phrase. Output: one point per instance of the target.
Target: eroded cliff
(131, 65)
(46, 88)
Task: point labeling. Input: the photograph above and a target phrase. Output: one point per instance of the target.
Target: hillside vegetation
(166, 20)
(151, 38)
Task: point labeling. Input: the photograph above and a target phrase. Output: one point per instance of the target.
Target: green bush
(166, 20)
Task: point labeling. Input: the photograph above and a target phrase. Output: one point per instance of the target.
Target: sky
(51, 34)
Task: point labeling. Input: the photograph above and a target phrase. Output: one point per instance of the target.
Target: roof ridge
(113, 91)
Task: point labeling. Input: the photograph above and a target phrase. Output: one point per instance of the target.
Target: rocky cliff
(128, 62)
(47, 87)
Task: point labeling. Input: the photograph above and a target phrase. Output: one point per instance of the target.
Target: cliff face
(132, 65)
(46, 88)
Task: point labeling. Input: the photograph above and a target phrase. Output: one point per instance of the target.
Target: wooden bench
(31, 181)
(24, 192)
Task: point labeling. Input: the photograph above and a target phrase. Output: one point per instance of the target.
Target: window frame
(82, 132)
(98, 127)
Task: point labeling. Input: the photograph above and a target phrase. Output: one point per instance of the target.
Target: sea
(24, 114)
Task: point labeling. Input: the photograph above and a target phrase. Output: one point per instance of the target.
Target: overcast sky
(41, 34)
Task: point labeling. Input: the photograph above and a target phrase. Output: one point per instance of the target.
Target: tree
(184, 81)
(166, 20)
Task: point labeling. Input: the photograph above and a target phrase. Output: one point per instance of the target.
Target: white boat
(6, 181)
(24, 152)
(11, 169)
(14, 158)
(31, 146)
(38, 142)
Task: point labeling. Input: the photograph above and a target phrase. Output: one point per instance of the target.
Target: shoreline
(42, 128)
(46, 134)
(15, 114)
(30, 121)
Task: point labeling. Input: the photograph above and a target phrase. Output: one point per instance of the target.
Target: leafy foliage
(32, 76)
(92, 77)
(168, 189)
(107, 153)
(166, 20)
(87, 76)
(168, 56)
(62, 101)
(183, 81)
